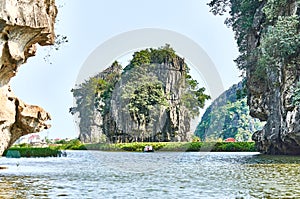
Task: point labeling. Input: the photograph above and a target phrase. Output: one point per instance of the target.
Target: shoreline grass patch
(176, 146)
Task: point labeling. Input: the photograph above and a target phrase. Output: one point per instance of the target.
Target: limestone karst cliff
(271, 97)
(23, 24)
(153, 99)
(267, 34)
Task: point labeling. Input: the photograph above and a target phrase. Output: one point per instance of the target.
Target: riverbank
(55, 150)
(177, 146)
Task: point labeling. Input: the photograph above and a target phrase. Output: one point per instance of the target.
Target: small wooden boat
(148, 149)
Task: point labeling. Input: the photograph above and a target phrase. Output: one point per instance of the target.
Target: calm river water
(94, 174)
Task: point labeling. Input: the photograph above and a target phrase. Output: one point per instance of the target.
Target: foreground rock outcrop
(23, 24)
(267, 34)
(271, 98)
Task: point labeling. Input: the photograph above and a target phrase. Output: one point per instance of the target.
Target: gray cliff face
(91, 130)
(167, 124)
(23, 24)
(91, 124)
(111, 119)
(271, 100)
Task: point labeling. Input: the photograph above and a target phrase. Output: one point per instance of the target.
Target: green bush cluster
(74, 144)
(273, 24)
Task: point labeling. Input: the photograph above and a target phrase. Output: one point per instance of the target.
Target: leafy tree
(144, 99)
(161, 55)
(94, 94)
(296, 95)
(164, 54)
(280, 43)
(194, 98)
(271, 23)
(140, 58)
(242, 16)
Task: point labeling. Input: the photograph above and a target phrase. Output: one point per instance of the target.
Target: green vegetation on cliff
(142, 102)
(228, 117)
(268, 37)
(272, 23)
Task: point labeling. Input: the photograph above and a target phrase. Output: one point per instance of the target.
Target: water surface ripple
(94, 174)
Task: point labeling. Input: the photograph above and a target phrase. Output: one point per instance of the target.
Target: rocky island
(152, 99)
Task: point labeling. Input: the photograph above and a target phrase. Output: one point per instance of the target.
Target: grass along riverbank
(177, 146)
(55, 150)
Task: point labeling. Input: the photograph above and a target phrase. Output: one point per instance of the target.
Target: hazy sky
(89, 23)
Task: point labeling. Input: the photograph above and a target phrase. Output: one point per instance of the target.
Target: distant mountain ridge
(228, 117)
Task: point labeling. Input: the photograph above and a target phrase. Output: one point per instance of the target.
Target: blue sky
(89, 23)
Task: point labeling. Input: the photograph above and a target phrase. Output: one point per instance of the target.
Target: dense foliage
(242, 15)
(271, 23)
(144, 98)
(194, 97)
(281, 43)
(164, 54)
(228, 117)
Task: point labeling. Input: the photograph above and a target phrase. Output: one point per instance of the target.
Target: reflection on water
(87, 174)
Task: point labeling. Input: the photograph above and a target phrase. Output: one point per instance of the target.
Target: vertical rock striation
(23, 24)
(147, 102)
(271, 98)
(166, 124)
(268, 36)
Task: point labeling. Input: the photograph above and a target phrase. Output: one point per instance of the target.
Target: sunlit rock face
(168, 122)
(23, 24)
(271, 100)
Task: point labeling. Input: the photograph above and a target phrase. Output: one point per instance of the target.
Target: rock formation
(166, 124)
(23, 24)
(90, 117)
(152, 99)
(271, 98)
(267, 34)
